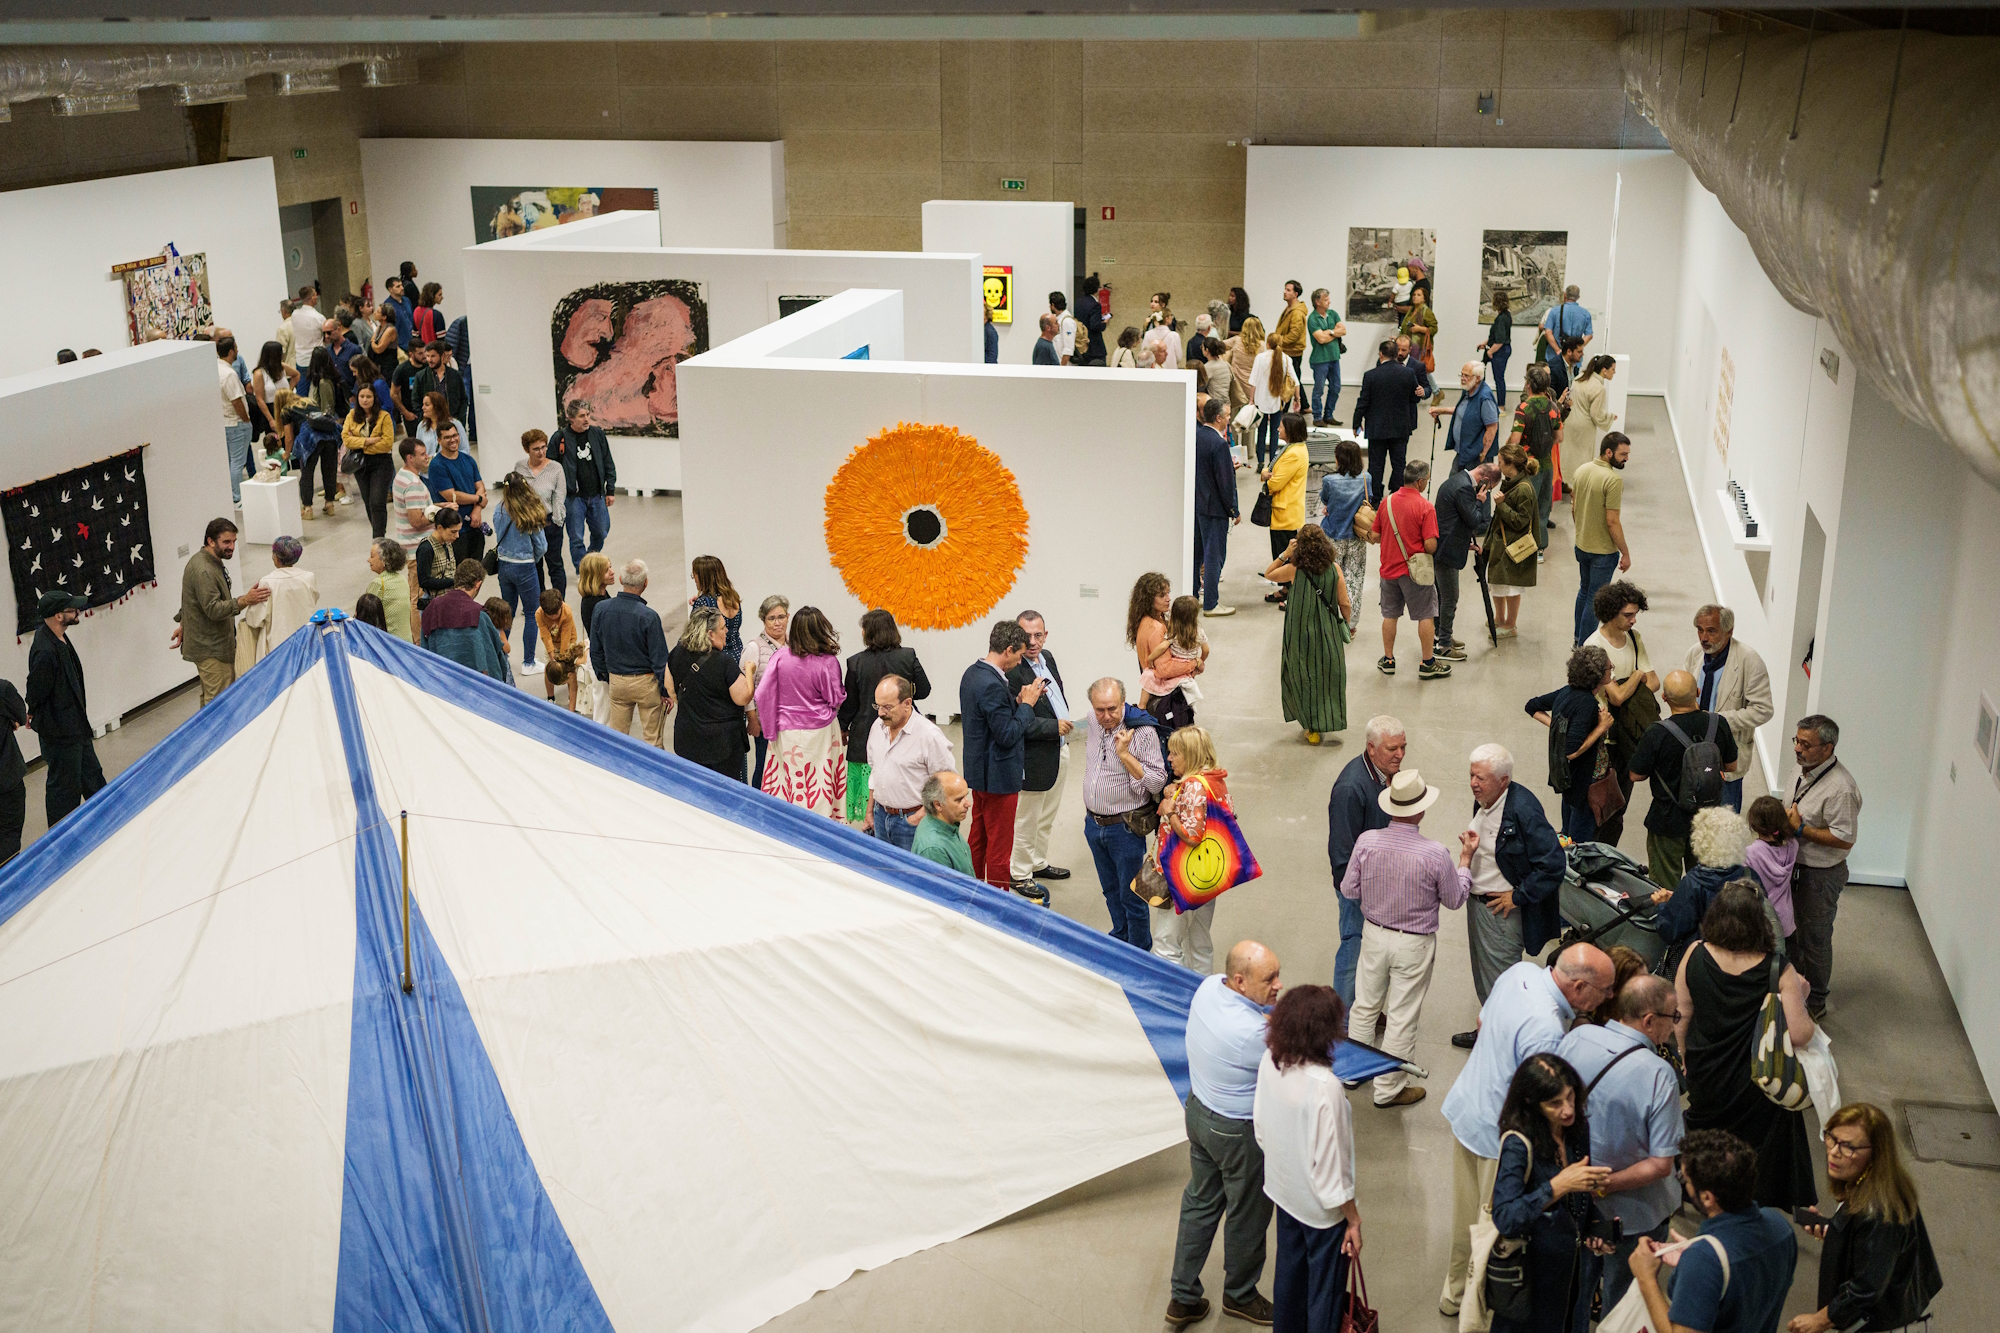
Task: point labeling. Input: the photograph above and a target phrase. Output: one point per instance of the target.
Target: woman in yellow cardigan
(1286, 480)
(369, 432)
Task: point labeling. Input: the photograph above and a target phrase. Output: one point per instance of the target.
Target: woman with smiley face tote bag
(1200, 853)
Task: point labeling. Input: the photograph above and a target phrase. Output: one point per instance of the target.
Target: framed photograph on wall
(1383, 265)
(1528, 266)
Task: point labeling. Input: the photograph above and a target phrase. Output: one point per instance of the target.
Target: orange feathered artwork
(927, 524)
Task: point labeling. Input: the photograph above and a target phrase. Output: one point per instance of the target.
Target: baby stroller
(1607, 900)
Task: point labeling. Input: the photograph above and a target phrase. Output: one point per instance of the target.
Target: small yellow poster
(999, 292)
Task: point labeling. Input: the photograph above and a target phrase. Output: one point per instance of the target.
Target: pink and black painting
(617, 345)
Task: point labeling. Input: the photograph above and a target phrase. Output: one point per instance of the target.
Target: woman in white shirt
(1617, 606)
(1590, 418)
(1269, 374)
(1307, 1133)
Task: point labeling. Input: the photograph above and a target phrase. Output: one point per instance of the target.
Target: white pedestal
(271, 511)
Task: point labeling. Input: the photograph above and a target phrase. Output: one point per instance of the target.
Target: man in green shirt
(206, 628)
(1324, 331)
(1597, 493)
(947, 800)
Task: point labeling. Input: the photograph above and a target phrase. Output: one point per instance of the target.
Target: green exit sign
(1009, 183)
(298, 154)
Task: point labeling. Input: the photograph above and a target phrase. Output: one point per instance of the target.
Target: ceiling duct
(88, 80)
(1861, 168)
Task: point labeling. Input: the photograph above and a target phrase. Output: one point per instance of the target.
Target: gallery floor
(1097, 1257)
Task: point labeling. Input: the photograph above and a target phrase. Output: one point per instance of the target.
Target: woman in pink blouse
(799, 694)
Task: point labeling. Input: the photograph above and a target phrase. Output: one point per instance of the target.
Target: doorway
(315, 244)
(1079, 271)
(1805, 625)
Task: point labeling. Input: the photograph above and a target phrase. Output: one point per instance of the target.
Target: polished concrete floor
(1097, 1257)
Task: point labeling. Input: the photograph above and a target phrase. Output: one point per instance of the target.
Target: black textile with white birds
(86, 532)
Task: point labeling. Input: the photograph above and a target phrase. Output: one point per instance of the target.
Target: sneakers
(1220, 611)
(341, 499)
(1180, 1316)
(1409, 1096)
(1433, 670)
(1455, 653)
(1386, 665)
(1032, 891)
(1256, 1311)
(531, 668)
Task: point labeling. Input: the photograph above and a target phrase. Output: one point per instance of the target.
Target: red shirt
(1416, 518)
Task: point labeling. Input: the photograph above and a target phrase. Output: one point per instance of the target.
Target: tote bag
(1630, 1314)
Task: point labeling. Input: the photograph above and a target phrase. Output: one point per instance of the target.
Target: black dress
(1721, 1094)
(590, 603)
(709, 726)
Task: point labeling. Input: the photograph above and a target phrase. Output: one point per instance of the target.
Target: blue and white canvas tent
(676, 1055)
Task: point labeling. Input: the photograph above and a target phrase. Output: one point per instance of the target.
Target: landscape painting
(617, 346)
(1377, 257)
(509, 210)
(1528, 266)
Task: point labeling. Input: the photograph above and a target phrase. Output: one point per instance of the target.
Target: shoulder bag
(1522, 549)
(1358, 1316)
(1364, 522)
(1423, 570)
(1774, 1066)
(1260, 513)
(1630, 1314)
(1632, 719)
(1509, 1287)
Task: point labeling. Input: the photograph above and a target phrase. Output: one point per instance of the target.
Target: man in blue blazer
(1517, 873)
(1353, 808)
(1214, 505)
(995, 718)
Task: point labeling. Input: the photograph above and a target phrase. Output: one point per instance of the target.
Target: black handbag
(1260, 513)
(1509, 1286)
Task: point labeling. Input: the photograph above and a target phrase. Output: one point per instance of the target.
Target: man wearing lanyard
(1826, 810)
(1046, 770)
(1123, 771)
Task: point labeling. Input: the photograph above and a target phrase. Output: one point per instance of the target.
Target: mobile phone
(1610, 1230)
(1811, 1217)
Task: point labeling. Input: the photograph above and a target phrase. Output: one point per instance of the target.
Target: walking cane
(1486, 595)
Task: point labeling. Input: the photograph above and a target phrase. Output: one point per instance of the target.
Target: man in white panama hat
(1401, 879)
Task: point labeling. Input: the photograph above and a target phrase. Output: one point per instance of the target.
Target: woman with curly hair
(1312, 664)
(1306, 1130)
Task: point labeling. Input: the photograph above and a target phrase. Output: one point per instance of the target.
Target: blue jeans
(1269, 435)
(1326, 373)
(1579, 825)
(1118, 851)
(1348, 960)
(1732, 792)
(1498, 361)
(894, 829)
(1211, 547)
(521, 589)
(238, 439)
(592, 511)
(1593, 572)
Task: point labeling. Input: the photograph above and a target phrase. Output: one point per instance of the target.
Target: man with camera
(1634, 1105)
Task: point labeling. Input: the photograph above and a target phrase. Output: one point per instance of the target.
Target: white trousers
(1182, 937)
(1034, 818)
(1392, 977)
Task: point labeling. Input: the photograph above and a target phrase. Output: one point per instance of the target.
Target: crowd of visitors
(1605, 1094)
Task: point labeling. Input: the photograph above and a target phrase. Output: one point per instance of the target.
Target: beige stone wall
(872, 129)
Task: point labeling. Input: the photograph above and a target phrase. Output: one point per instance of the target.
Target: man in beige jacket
(1734, 684)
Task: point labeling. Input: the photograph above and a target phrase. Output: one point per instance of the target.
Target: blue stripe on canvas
(1159, 991)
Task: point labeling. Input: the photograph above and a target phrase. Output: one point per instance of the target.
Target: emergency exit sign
(1009, 183)
(298, 154)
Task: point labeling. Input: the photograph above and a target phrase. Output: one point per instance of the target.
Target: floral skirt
(809, 769)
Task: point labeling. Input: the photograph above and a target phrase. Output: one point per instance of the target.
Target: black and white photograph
(1383, 265)
(1528, 266)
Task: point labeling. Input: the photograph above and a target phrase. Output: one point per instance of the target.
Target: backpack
(1701, 768)
(1558, 752)
(1079, 340)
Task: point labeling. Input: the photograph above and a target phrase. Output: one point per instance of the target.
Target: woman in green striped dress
(1312, 670)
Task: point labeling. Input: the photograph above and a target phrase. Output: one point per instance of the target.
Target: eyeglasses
(1674, 1017)
(1842, 1148)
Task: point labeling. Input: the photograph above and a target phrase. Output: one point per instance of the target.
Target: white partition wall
(162, 395)
(420, 192)
(1036, 240)
(62, 241)
(512, 288)
(1083, 554)
(1302, 202)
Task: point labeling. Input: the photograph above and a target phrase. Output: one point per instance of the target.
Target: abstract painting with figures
(617, 345)
(1383, 264)
(508, 210)
(1528, 266)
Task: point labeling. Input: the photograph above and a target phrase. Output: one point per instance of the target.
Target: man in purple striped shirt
(1401, 879)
